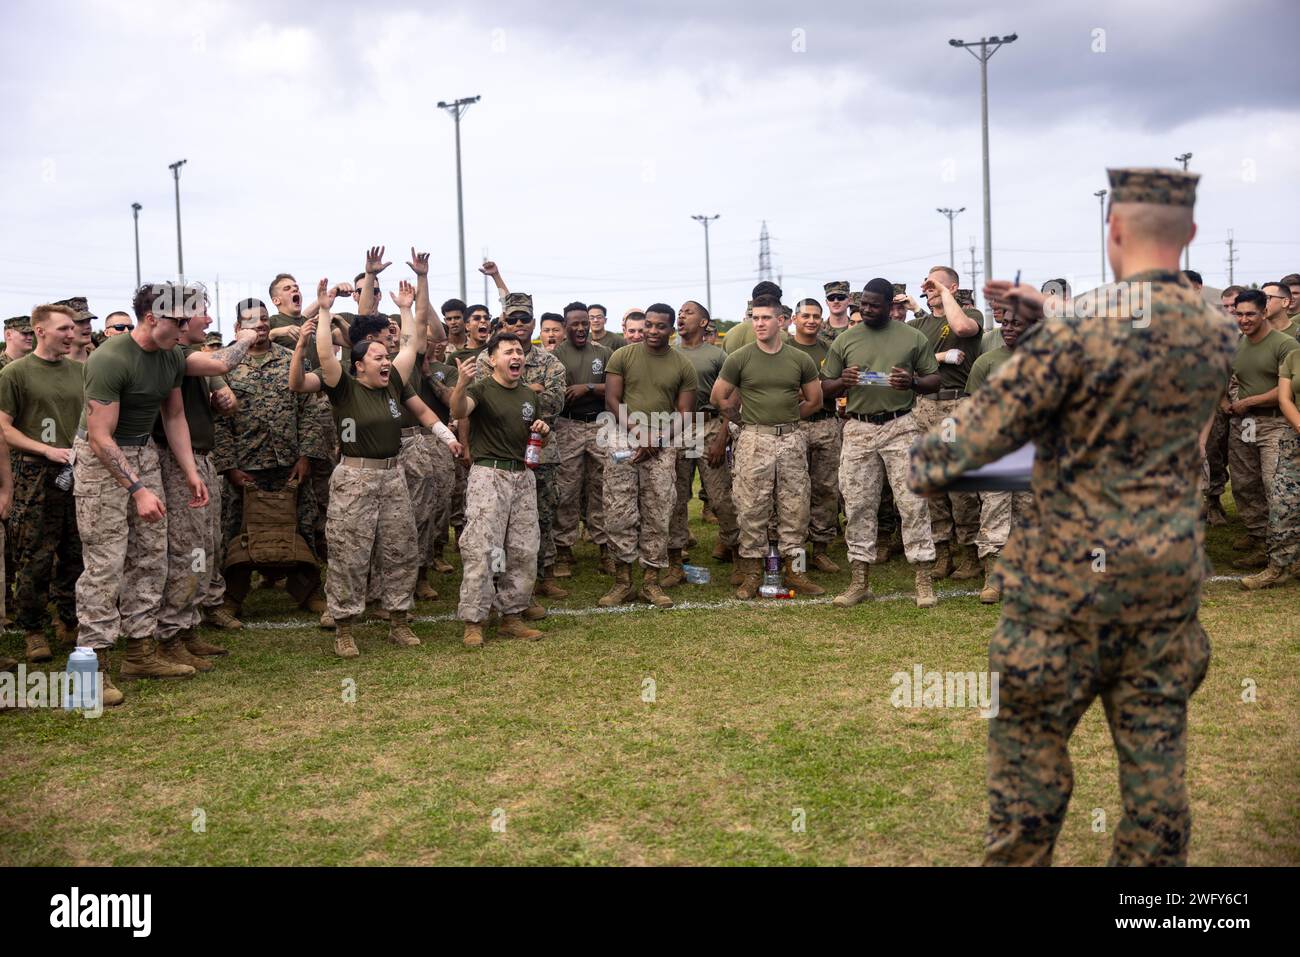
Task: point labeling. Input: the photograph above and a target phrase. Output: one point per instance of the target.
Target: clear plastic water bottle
(64, 479)
(772, 565)
(83, 681)
(622, 456)
(533, 454)
(696, 574)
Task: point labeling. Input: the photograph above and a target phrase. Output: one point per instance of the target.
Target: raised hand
(375, 261)
(325, 295)
(489, 268)
(404, 296)
(419, 263)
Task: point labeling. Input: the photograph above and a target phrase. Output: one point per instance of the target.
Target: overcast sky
(311, 131)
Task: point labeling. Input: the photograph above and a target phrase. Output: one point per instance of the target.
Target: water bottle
(83, 681)
(696, 574)
(772, 566)
(622, 456)
(64, 479)
(533, 454)
(775, 591)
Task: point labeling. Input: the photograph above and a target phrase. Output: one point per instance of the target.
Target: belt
(818, 416)
(784, 429)
(356, 462)
(411, 430)
(944, 395)
(878, 418)
(581, 416)
(505, 465)
(39, 460)
(132, 440)
(1268, 412)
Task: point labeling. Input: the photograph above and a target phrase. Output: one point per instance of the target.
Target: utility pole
(1232, 260)
(764, 254)
(952, 255)
(987, 47)
(457, 109)
(1101, 201)
(135, 214)
(975, 279)
(708, 273)
(218, 303)
(1187, 250)
(485, 278)
(180, 255)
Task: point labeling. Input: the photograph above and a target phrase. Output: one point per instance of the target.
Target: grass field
(547, 753)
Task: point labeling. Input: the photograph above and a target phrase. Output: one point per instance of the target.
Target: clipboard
(1011, 473)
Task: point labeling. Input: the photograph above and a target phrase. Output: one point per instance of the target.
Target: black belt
(505, 465)
(944, 395)
(39, 460)
(818, 416)
(1265, 413)
(125, 440)
(878, 418)
(581, 416)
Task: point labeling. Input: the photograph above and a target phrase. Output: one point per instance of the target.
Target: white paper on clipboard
(1011, 473)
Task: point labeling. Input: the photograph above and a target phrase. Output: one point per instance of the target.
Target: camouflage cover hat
(79, 306)
(856, 298)
(1165, 187)
(838, 286)
(749, 308)
(900, 289)
(212, 339)
(19, 324)
(517, 302)
(965, 297)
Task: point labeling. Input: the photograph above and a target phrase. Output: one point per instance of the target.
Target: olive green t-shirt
(582, 367)
(1289, 369)
(122, 372)
(769, 383)
(444, 374)
(196, 392)
(500, 424)
(469, 352)
(942, 338)
(368, 420)
(1256, 363)
(44, 398)
(651, 382)
(879, 350)
(412, 388)
(707, 361)
(611, 341)
(738, 337)
(818, 352)
(1292, 330)
(985, 366)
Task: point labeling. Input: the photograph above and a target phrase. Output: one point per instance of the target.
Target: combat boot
(606, 561)
(1270, 576)
(1257, 558)
(399, 630)
(622, 591)
(691, 540)
(174, 650)
(859, 589)
(968, 566)
(65, 635)
(473, 637)
(925, 596)
(220, 617)
(753, 572)
(1244, 543)
(801, 583)
(344, 645)
(564, 562)
(821, 560)
(708, 515)
(7, 663)
(440, 564)
(942, 561)
(512, 626)
(737, 571)
(327, 621)
(652, 591)
(142, 661)
(535, 611)
(548, 587)
(111, 696)
(315, 604)
(377, 612)
(1214, 513)
(37, 649)
(720, 553)
(991, 593)
(200, 648)
(674, 575)
(423, 590)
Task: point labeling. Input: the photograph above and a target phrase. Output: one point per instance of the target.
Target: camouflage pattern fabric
(1164, 187)
(715, 489)
(45, 543)
(300, 583)
(1284, 505)
(1216, 454)
(872, 456)
(444, 484)
(956, 511)
(1253, 449)
(120, 589)
(823, 438)
(769, 469)
(369, 512)
(548, 494)
(416, 464)
(582, 467)
(500, 545)
(999, 513)
(638, 500)
(194, 555)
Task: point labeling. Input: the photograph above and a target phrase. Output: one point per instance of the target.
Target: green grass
(759, 711)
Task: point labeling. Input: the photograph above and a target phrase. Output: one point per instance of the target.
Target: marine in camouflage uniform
(18, 329)
(435, 389)
(1284, 496)
(1104, 599)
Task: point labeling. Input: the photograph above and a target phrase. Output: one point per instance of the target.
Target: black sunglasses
(836, 297)
(516, 320)
(121, 327)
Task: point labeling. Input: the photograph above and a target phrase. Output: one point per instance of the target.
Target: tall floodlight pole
(1187, 250)
(708, 274)
(1101, 201)
(135, 214)
(457, 109)
(987, 47)
(952, 249)
(180, 255)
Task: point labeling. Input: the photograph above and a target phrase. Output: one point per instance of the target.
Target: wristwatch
(590, 387)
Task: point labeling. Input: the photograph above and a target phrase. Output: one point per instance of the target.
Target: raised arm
(461, 404)
(489, 268)
(299, 379)
(223, 360)
(411, 343)
(330, 370)
(367, 303)
(426, 317)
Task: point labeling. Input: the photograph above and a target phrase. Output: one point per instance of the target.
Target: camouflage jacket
(540, 368)
(1114, 407)
(272, 427)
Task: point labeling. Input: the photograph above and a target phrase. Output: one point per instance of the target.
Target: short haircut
(767, 302)
(1233, 291)
(1293, 279)
(477, 307)
(270, 290)
(947, 271)
(663, 309)
(248, 305)
(1193, 276)
(49, 310)
(551, 317)
(453, 305)
(766, 288)
(168, 295)
(365, 326)
(700, 306)
(634, 316)
(1056, 286)
(494, 343)
(1252, 296)
(808, 302)
(1281, 285)
(596, 305)
(117, 312)
(575, 307)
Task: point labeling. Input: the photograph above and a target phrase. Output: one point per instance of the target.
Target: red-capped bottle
(533, 454)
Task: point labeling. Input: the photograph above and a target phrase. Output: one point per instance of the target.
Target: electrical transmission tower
(764, 254)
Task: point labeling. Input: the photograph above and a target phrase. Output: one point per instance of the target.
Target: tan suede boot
(423, 590)
(968, 567)
(721, 553)
(399, 630)
(112, 697)
(512, 626)
(564, 562)
(548, 587)
(65, 636)
(925, 596)
(178, 653)
(622, 591)
(859, 589)
(473, 637)
(801, 583)
(942, 565)
(200, 648)
(652, 591)
(753, 572)
(535, 611)
(344, 645)
(221, 617)
(1271, 576)
(991, 593)
(440, 564)
(37, 649)
(607, 562)
(142, 661)
(673, 575)
(821, 560)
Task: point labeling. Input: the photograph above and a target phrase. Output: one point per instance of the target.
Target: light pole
(180, 255)
(952, 249)
(457, 109)
(708, 274)
(1101, 201)
(135, 214)
(1187, 250)
(987, 47)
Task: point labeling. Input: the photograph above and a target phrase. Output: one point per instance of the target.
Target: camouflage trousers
(638, 501)
(715, 488)
(444, 487)
(770, 472)
(301, 583)
(999, 512)
(1216, 454)
(1284, 504)
(416, 460)
(870, 456)
(369, 514)
(548, 493)
(457, 507)
(1145, 675)
(501, 539)
(959, 509)
(1252, 457)
(194, 555)
(824, 440)
(45, 545)
(581, 478)
(120, 589)
(887, 520)
(322, 470)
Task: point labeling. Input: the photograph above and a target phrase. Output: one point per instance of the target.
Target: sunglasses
(836, 297)
(516, 320)
(121, 327)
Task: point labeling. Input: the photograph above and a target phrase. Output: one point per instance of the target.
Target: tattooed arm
(223, 360)
(411, 342)
(101, 420)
